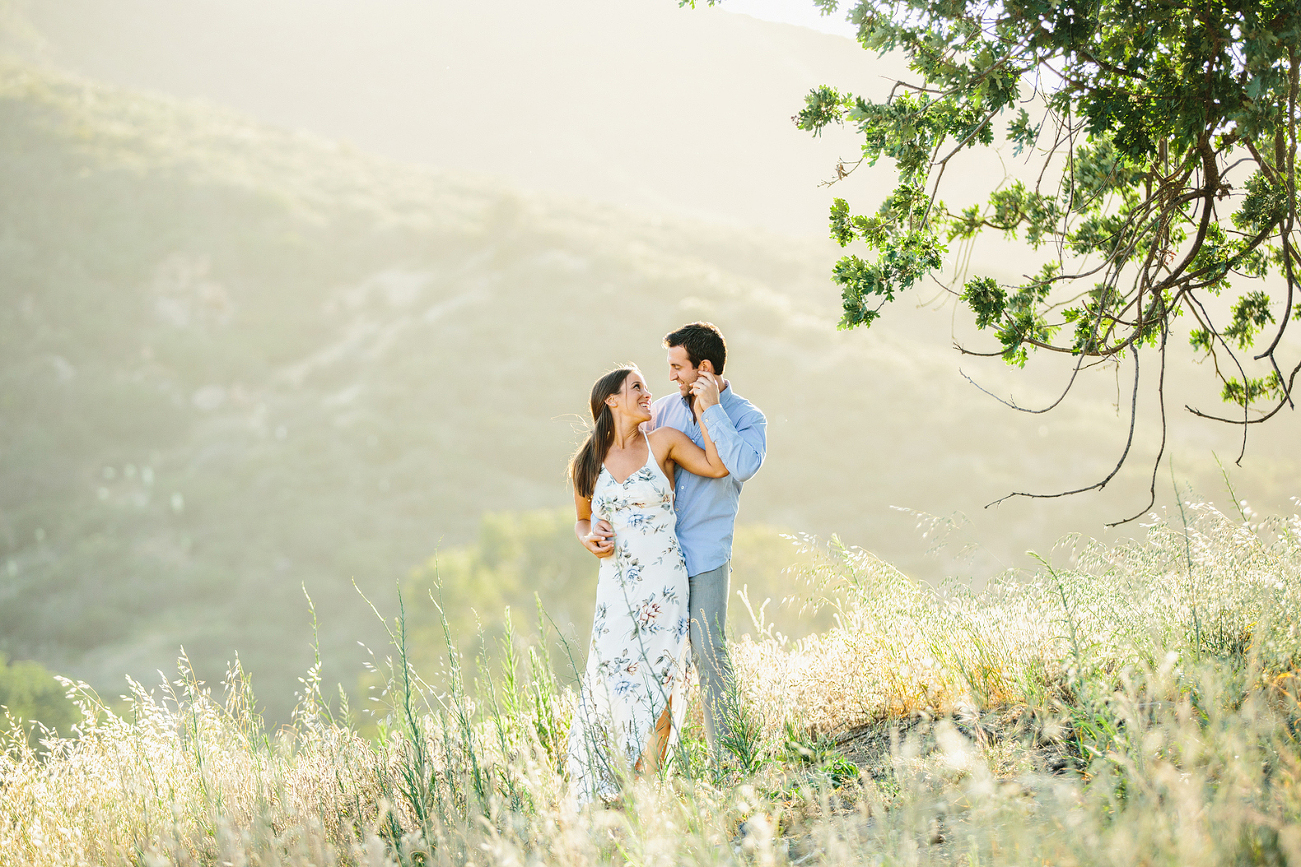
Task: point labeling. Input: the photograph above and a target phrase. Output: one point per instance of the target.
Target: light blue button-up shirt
(707, 507)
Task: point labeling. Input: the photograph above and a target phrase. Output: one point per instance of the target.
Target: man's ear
(707, 366)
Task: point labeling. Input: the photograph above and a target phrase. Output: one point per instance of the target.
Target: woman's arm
(600, 544)
(691, 457)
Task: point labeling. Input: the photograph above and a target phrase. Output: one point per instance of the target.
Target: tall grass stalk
(919, 729)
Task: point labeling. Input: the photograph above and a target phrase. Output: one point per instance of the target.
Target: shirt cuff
(711, 415)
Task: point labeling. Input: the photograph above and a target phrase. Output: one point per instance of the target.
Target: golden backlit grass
(1161, 677)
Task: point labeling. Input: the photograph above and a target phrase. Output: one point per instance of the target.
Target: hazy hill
(637, 103)
(236, 360)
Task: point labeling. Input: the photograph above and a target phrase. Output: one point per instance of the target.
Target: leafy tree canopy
(1162, 136)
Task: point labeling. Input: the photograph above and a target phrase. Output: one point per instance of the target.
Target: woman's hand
(705, 391)
(597, 536)
(600, 539)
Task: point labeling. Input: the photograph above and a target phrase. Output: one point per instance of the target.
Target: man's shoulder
(738, 407)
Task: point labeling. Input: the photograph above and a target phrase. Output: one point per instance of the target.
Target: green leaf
(986, 299)
(1250, 314)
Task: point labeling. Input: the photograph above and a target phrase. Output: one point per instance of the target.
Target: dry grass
(1217, 589)
(1160, 676)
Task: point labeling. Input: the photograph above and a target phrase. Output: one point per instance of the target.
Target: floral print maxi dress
(636, 660)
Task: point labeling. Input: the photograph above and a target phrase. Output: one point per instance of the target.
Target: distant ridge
(640, 104)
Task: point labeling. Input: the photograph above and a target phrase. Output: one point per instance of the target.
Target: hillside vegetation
(643, 105)
(238, 362)
(1124, 705)
(32, 701)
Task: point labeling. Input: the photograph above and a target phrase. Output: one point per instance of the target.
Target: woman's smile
(638, 397)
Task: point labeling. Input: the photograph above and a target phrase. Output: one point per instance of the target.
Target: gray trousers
(708, 605)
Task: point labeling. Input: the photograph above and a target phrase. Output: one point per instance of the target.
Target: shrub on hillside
(34, 699)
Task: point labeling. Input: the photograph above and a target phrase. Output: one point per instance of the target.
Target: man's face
(681, 371)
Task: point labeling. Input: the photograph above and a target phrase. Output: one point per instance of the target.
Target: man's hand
(705, 391)
(601, 540)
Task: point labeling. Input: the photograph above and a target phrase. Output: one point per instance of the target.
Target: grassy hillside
(237, 361)
(1132, 704)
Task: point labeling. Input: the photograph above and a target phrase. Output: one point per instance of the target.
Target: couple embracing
(656, 487)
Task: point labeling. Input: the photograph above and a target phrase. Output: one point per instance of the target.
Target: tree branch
(1096, 486)
(1286, 237)
(1266, 417)
(1156, 464)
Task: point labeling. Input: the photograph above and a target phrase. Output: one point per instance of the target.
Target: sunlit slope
(238, 361)
(637, 103)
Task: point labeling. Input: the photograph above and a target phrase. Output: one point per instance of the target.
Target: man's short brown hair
(702, 341)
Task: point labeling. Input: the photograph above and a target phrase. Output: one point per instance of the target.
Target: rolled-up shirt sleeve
(741, 443)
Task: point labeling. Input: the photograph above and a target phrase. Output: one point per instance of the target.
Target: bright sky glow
(798, 12)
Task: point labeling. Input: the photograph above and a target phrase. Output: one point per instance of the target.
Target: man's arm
(743, 444)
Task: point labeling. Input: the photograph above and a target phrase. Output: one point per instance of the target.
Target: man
(706, 508)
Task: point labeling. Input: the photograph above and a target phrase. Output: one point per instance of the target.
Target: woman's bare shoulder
(666, 435)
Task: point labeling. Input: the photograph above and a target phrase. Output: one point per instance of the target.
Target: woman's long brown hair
(585, 465)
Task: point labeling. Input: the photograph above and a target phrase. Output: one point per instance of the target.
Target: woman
(631, 700)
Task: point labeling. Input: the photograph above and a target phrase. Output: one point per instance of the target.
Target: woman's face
(634, 399)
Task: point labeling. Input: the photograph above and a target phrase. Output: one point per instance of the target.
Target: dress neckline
(650, 456)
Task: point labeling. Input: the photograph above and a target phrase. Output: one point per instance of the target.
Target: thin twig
(1129, 442)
